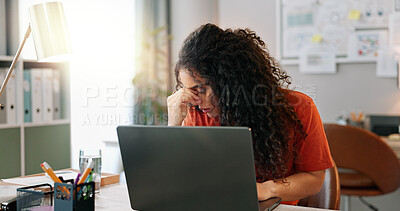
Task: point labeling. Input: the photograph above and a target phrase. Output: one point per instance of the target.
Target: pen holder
(34, 196)
(79, 198)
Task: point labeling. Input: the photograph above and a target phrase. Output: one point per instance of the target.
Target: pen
(77, 179)
(353, 116)
(89, 178)
(46, 168)
(360, 117)
(86, 172)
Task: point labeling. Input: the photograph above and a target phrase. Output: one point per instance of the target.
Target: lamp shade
(49, 30)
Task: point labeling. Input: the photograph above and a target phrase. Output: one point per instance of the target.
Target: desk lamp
(50, 35)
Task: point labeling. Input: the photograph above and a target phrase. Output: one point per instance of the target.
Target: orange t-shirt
(313, 152)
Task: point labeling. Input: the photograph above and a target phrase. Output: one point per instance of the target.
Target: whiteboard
(336, 21)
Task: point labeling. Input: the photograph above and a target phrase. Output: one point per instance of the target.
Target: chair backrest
(329, 195)
(363, 151)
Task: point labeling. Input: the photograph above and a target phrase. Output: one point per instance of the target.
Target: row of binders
(41, 100)
(8, 113)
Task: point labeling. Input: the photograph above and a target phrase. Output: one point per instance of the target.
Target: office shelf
(6, 58)
(7, 126)
(36, 139)
(35, 124)
(54, 122)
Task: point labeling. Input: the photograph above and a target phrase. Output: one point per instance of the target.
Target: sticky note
(354, 15)
(317, 38)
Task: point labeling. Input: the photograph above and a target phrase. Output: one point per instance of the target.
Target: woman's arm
(297, 186)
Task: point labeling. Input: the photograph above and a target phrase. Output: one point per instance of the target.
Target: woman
(228, 78)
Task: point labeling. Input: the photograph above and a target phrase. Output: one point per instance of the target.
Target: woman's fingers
(183, 96)
(178, 103)
(186, 98)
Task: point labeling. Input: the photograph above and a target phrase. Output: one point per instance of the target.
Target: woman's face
(208, 103)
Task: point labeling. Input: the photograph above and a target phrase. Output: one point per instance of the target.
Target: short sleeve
(313, 151)
(189, 119)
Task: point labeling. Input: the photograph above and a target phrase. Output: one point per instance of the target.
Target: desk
(115, 197)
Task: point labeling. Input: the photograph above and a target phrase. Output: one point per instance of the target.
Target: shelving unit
(34, 142)
(24, 145)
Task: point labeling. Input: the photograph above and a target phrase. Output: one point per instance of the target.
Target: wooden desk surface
(115, 197)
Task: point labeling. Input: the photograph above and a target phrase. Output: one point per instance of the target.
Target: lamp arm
(14, 62)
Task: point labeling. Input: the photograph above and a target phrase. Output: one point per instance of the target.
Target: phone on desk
(269, 204)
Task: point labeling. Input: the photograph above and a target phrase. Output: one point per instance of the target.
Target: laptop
(190, 168)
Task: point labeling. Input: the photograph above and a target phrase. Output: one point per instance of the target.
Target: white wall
(102, 39)
(256, 15)
(186, 16)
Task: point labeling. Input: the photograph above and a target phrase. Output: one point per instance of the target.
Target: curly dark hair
(251, 89)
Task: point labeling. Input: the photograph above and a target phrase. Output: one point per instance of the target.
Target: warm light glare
(58, 58)
(102, 34)
(101, 71)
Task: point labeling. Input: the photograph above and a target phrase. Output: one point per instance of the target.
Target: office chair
(371, 167)
(329, 195)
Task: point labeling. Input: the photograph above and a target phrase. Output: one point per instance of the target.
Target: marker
(89, 178)
(77, 179)
(86, 172)
(46, 168)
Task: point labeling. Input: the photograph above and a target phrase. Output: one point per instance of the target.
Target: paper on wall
(365, 44)
(387, 63)
(298, 25)
(373, 13)
(316, 38)
(332, 13)
(302, 19)
(337, 37)
(354, 15)
(298, 14)
(295, 39)
(396, 5)
(394, 29)
(318, 59)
